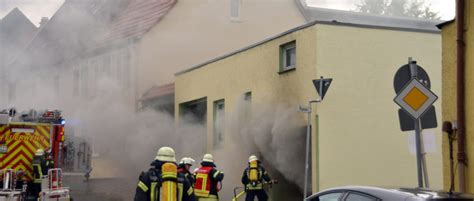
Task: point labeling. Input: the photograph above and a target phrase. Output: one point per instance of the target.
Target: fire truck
(20, 137)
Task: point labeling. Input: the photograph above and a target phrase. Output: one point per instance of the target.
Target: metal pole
(418, 153)
(425, 168)
(419, 156)
(306, 171)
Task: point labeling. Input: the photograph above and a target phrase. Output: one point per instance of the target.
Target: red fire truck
(21, 135)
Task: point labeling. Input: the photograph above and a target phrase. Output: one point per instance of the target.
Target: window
(126, 64)
(235, 10)
(11, 92)
(288, 56)
(328, 197)
(84, 81)
(219, 122)
(56, 84)
(248, 96)
(75, 78)
(359, 197)
(107, 67)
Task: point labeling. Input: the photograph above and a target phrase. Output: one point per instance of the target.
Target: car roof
(408, 194)
(386, 194)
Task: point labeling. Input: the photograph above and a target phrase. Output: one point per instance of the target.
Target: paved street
(100, 189)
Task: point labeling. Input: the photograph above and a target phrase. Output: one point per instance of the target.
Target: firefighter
(253, 178)
(162, 182)
(20, 179)
(185, 168)
(207, 180)
(49, 158)
(40, 169)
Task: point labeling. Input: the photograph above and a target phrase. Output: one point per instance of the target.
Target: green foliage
(401, 8)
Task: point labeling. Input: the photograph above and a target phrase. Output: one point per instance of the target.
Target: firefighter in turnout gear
(162, 182)
(40, 169)
(253, 178)
(208, 180)
(184, 167)
(49, 158)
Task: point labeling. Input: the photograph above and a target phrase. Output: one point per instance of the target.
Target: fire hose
(237, 196)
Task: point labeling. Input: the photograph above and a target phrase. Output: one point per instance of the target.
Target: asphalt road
(107, 189)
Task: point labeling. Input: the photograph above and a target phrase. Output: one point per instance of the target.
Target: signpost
(415, 98)
(322, 86)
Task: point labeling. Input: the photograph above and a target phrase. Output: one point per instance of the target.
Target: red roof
(159, 91)
(138, 18)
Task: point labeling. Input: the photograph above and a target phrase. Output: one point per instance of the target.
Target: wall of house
(278, 94)
(449, 94)
(360, 140)
(195, 31)
(236, 75)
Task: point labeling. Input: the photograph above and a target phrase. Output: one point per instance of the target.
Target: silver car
(365, 193)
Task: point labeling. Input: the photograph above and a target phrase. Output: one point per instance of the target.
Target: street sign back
(403, 76)
(427, 120)
(326, 82)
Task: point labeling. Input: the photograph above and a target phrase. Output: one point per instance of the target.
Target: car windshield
(437, 195)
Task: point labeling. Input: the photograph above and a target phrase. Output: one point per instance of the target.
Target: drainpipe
(461, 94)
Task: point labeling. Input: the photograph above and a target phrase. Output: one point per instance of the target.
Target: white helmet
(187, 161)
(253, 158)
(165, 154)
(39, 152)
(208, 158)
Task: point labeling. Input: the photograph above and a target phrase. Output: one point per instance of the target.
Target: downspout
(461, 94)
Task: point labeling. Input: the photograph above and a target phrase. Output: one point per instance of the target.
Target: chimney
(43, 21)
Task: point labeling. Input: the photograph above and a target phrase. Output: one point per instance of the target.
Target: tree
(402, 8)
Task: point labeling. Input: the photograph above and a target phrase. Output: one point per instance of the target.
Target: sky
(35, 9)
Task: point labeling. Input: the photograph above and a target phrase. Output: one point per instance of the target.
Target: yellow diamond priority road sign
(415, 98)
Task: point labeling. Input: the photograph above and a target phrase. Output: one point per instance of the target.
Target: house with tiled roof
(41, 68)
(16, 30)
(138, 44)
(148, 41)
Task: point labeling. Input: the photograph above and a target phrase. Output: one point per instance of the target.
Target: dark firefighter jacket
(144, 187)
(262, 177)
(187, 174)
(40, 168)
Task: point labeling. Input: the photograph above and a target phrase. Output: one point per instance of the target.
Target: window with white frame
(84, 81)
(235, 6)
(288, 56)
(126, 57)
(219, 122)
(75, 77)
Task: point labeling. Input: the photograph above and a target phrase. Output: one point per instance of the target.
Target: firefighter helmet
(208, 158)
(165, 154)
(253, 158)
(39, 152)
(186, 161)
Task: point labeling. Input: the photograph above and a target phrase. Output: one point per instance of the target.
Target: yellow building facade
(449, 76)
(356, 137)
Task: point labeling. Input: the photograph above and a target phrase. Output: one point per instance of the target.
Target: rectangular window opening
(76, 77)
(235, 10)
(288, 56)
(219, 122)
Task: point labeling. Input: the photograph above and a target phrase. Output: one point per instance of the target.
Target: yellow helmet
(165, 154)
(208, 158)
(253, 158)
(39, 152)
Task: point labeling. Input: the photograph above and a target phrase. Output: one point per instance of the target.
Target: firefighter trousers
(208, 199)
(260, 194)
